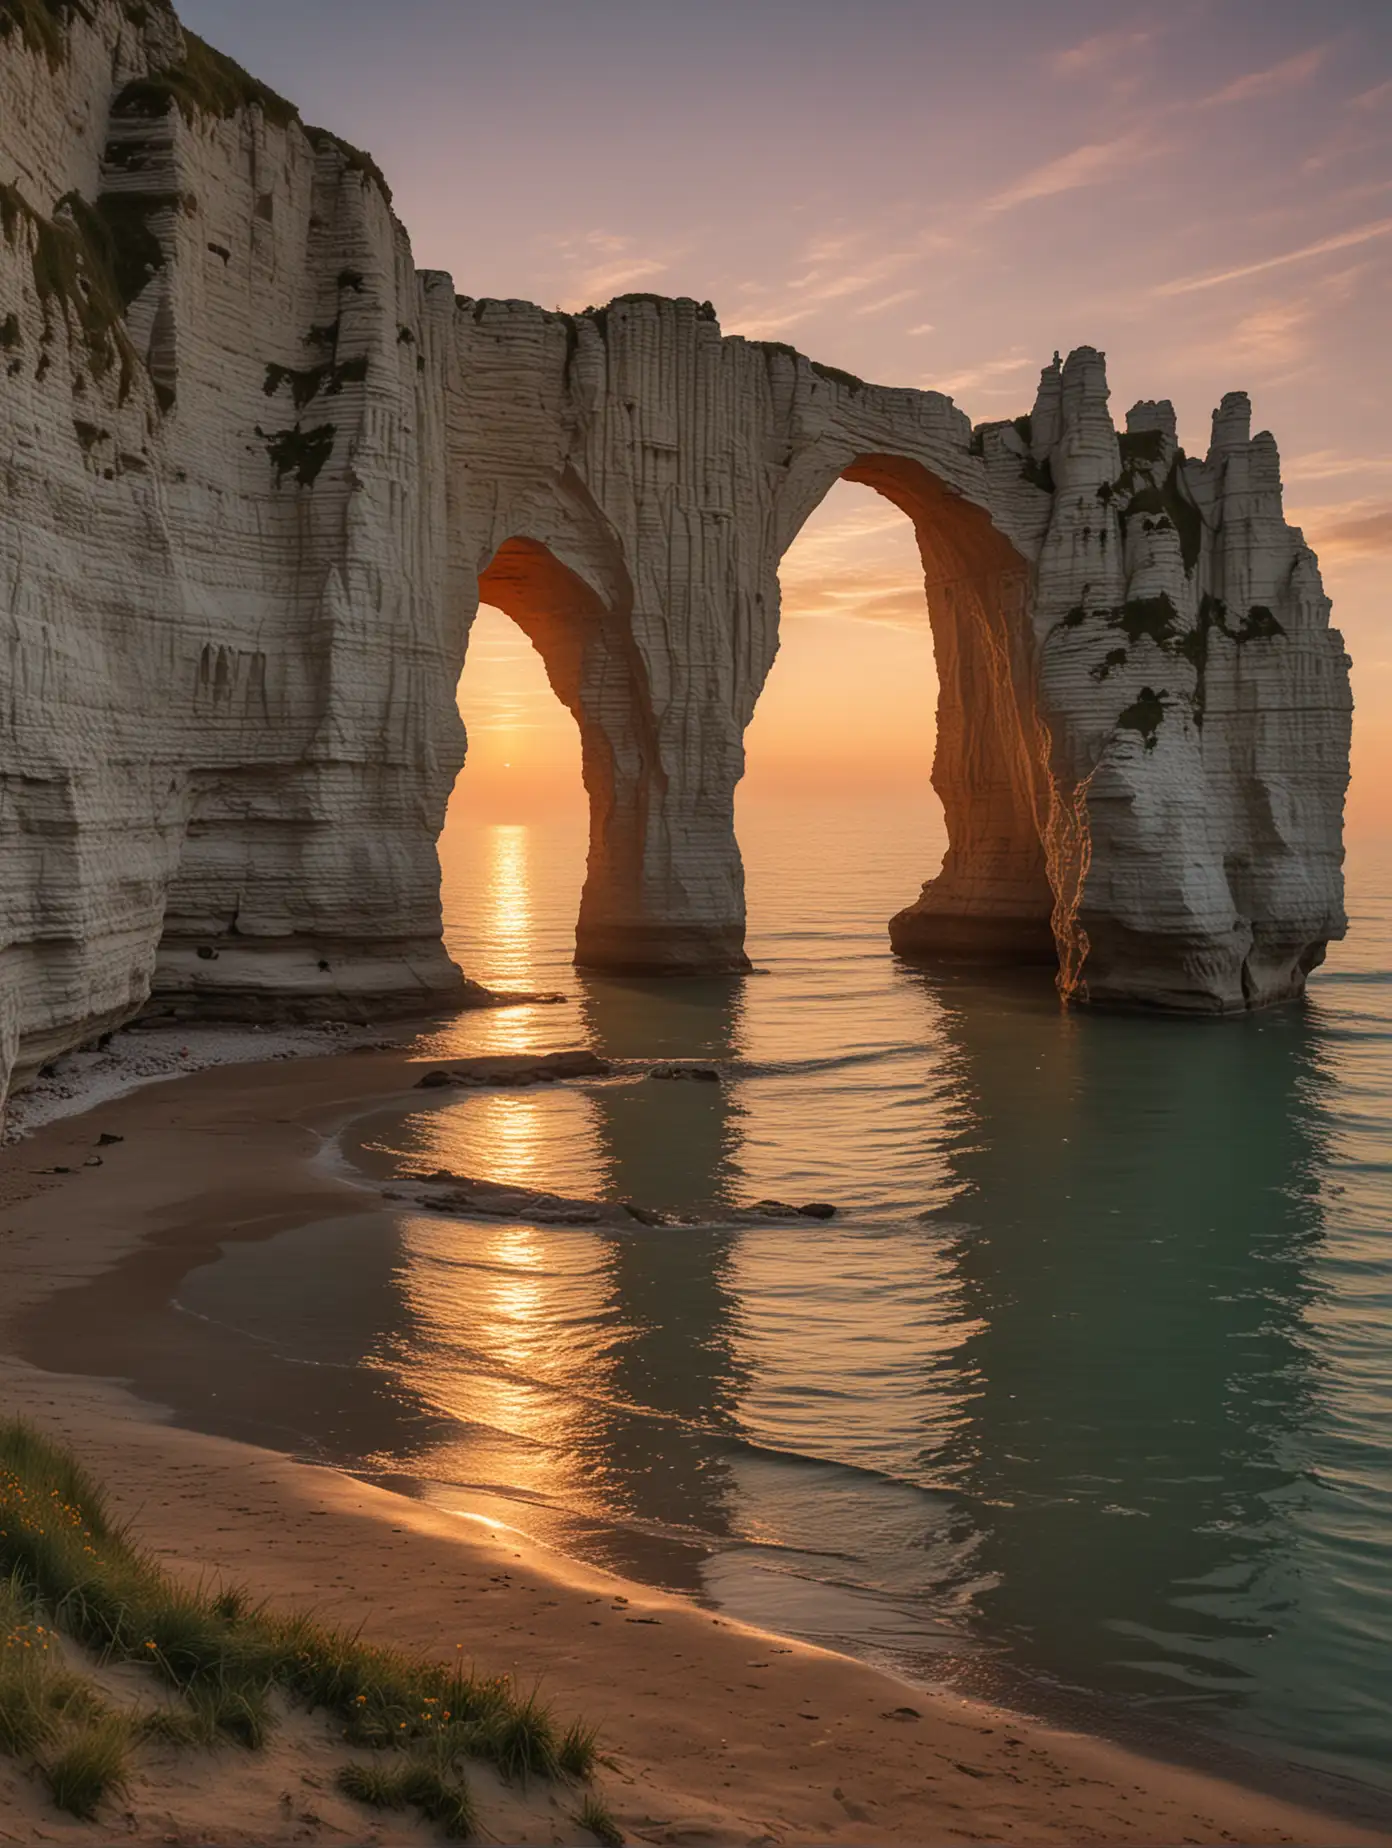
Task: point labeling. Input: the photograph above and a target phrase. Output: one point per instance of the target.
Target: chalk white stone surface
(257, 470)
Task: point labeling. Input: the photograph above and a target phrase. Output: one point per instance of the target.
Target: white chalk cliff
(257, 470)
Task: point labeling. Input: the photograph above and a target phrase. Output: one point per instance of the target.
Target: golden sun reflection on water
(509, 925)
(547, 1139)
(488, 1303)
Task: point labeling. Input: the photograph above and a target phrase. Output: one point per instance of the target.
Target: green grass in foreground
(429, 1780)
(56, 1719)
(225, 1660)
(594, 1816)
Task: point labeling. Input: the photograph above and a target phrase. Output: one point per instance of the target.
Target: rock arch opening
(992, 900)
(587, 650)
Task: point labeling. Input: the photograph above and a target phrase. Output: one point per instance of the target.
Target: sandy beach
(715, 1732)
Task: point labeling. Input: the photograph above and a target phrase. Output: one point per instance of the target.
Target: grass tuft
(91, 1765)
(521, 1741)
(595, 1816)
(579, 1753)
(437, 1789)
(227, 1660)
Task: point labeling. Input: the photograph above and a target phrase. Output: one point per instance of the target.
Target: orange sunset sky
(926, 194)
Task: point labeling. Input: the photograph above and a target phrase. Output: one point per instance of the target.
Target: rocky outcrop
(258, 471)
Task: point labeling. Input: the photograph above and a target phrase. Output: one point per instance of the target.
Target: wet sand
(718, 1732)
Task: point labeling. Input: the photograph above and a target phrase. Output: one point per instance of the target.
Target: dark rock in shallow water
(475, 995)
(444, 1191)
(517, 1068)
(698, 1074)
(645, 1215)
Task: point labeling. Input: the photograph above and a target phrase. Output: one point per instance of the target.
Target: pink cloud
(1343, 240)
(1272, 81)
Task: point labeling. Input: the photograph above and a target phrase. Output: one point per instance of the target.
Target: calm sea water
(1087, 1391)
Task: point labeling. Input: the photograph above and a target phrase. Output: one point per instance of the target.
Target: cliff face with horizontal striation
(257, 471)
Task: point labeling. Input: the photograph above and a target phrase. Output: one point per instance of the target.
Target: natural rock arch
(234, 595)
(991, 900)
(595, 672)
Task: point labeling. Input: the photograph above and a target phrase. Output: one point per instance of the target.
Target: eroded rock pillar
(992, 900)
(664, 889)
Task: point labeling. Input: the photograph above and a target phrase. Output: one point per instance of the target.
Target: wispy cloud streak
(1084, 166)
(1343, 240)
(1287, 75)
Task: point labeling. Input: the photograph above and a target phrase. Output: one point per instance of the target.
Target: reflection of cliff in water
(1134, 1242)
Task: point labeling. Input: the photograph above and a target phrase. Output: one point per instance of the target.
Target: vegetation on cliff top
(42, 25)
(207, 84)
(355, 160)
(69, 1573)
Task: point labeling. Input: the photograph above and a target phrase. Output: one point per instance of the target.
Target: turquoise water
(1086, 1393)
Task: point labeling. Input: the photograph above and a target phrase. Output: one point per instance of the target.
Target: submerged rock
(444, 1191)
(516, 1069)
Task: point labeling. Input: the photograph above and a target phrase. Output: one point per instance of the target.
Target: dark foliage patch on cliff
(1163, 501)
(1114, 658)
(1259, 624)
(1144, 715)
(140, 12)
(1141, 446)
(307, 384)
(1156, 617)
(42, 25)
(299, 452)
(89, 263)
